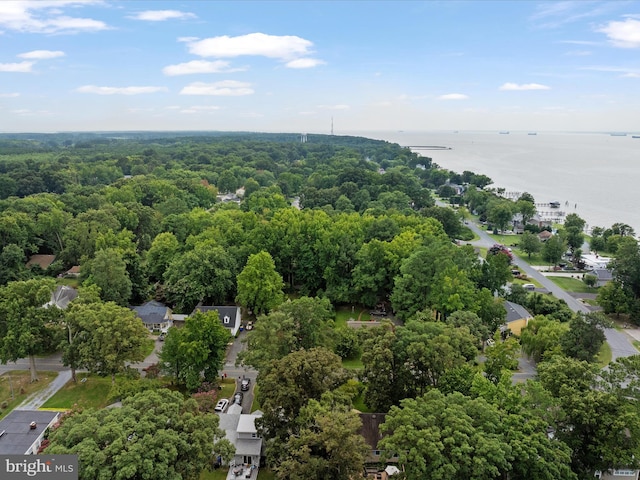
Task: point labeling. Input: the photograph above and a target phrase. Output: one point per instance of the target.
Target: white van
(529, 286)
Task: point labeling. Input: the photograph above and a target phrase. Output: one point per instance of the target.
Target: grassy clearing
(604, 355)
(149, 345)
(353, 364)
(256, 404)
(358, 404)
(572, 285)
(92, 393)
(19, 382)
(219, 474)
(228, 388)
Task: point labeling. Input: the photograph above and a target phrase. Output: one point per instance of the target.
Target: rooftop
(17, 436)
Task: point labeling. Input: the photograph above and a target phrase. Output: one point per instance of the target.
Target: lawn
(228, 388)
(352, 364)
(572, 285)
(149, 345)
(92, 393)
(256, 404)
(604, 355)
(358, 404)
(16, 386)
(344, 313)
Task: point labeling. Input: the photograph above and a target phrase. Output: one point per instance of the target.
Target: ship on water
(504, 132)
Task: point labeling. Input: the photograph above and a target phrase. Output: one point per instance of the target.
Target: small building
(618, 474)
(230, 316)
(372, 435)
(42, 261)
(603, 276)
(594, 261)
(545, 235)
(517, 318)
(155, 316)
(73, 271)
(22, 431)
(62, 296)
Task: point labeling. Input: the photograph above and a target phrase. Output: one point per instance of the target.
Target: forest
(293, 232)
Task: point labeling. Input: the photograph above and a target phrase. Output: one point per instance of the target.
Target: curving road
(619, 342)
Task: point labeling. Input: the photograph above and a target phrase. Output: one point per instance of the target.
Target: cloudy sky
(295, 65)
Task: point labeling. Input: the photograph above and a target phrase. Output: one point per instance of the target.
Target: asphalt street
(619, 342)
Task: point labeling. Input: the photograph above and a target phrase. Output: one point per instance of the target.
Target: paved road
(38, 399)
(620, 342)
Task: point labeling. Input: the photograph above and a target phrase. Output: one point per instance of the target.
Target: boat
(618, 134)
(555, 204)
(532, 133)
(504, 132)
(635, 136)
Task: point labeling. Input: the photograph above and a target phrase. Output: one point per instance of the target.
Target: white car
(221, 405)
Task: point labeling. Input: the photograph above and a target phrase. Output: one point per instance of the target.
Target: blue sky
(294, 66)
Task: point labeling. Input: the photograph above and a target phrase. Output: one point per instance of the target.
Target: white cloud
(623, 34)
(200, 108)
(119, 90)
(334, 107)
(304, 63)
(42, 54)
(46, 17)
(162, 15)
(285, 47)
(453, 96)
(631, 75)
(226, 88)
(524, 86)
(22, 67)
(199, 66)
(9, 95)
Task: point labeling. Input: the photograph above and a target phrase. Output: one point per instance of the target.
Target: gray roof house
(603, 276)
(154, 315)
(230, 317)
(62, 296)
(240, 430)
(22, 431)
(517, 317)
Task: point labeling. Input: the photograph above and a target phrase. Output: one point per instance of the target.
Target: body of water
(595, 175)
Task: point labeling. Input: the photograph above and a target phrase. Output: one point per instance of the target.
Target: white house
(229, 316)
(240, 429)
(595, 261)
(22, 431)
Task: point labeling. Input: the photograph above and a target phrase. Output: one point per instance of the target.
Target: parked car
(161, 337)
(221, 405)
(244, 384)
(529, 286)
(249, 325)
(237, 398)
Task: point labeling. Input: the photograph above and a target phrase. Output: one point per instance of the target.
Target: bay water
(595, 175)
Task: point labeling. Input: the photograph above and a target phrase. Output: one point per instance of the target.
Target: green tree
(495, 273)
(500, 213)
(501, 356)
(155, 434)
(195, 353)
(530, 243)
(290, 382)
(108, 271)
(163, 249)
(447, 437)
(585, 336)
(542, 337)
(27, 328)
(327, 445)
(259, 284)
(613, 298)
(107, 337)
(553, 249)
(525, 208)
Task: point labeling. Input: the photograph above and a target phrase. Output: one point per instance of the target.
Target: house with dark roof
(154, 315)
(43, 261)
(22, 431)
(603, 276)
(517, 317)
(371, 433)
(230, 316)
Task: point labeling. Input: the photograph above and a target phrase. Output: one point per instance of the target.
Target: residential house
(22, 431)
(230, 316)
(545, 235)
(371, 433)
(43, 261)
(618, 474)
(594, 261)
(155, 316)
(517, 318)
(62, 296)
(240, 429)
(603, 276)
(73, 271)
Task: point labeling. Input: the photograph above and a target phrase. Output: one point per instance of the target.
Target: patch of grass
(572, 285)
(256, 404)
(219, 474)
(604, 355)
(358, 404)
(92, 393)
(228, 388)
(352, 363)
(19, 382)
(266, 474)
(149, 345)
